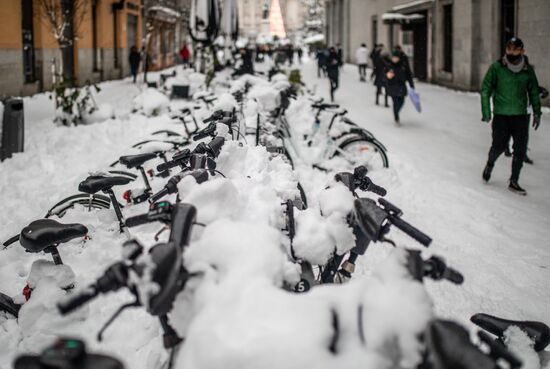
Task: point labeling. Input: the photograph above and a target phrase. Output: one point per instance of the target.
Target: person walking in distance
(185, 55)
(361, 57)
(511, 83)
(321, 56)
(397, 74)
(340, 53)
(379, 73)
(333, 72)
(134, 59)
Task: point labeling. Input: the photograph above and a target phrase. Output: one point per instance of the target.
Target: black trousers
(504, 128)
(378, 92)
(398, 102)
(333, 85)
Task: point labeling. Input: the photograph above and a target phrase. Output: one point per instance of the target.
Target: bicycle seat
(449, 346)
(43, 233)
(133, 161)
(93, 184)
(537, 331)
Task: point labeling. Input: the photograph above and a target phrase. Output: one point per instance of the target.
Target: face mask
(513, 58)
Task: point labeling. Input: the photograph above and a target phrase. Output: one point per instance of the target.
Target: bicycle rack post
(116, 206)
(144, 176)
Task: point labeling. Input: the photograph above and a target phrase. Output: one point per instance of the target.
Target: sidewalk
(499, 240)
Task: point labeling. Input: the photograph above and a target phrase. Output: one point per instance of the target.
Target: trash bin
(13, 127)
(181, 91)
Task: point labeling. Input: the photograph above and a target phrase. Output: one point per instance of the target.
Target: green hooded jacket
(510, 91)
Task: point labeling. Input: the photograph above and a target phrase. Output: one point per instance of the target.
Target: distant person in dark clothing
(290, 54)
(134, 59)
(333, 65)
(379, 73)
(512, 84)
(397, 74)
(300, 55)
(321, 56)
(340, 53)
(146, 60)
(247, 65)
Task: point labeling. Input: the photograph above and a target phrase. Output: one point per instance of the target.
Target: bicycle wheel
(363, 151)
(89, 201)
(8, 305)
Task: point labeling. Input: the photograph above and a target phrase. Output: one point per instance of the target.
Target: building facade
(29, 53)
(450, 42)
(252, 21)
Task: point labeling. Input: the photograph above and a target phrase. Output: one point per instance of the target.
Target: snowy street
(498, 240)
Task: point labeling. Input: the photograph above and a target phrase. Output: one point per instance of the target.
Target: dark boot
(528, 160)
(507, 152)
(515, 187)
(487, 172)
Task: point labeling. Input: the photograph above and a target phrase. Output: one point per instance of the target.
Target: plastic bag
(415, 99)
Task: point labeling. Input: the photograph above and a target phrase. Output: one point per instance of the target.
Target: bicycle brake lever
(166, 227)
(114, 316)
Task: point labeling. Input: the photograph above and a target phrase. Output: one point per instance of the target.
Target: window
(448, 38)
(28, 42)
(508, 22)
(95, 50)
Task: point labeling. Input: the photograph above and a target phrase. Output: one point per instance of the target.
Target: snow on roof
(399, 16)
(315, 38)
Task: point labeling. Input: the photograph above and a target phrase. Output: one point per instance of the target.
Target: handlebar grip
(204, 133)
(137, 220)
(168, 165)
(158, 195)
(380, 191)
(453, 275)
(216, 145)
(413, 232)
(76, 300)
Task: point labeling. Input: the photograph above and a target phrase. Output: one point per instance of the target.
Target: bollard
(181, 91)
(13, 127)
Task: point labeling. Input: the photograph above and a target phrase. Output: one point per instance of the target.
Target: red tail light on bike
(127, 195)
(151, 173)
(27, 292)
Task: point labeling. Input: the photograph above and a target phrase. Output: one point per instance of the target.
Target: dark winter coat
(397, 86)
(379, 65)
(321, 57)
(333, 62)
(511, 91)
(134, 58)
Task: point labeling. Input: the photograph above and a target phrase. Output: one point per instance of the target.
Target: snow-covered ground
(498, 240)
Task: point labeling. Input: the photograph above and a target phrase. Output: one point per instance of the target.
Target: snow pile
(323, 229)
(102, 113)
(268, 97)
(262, 326)
(151, 102)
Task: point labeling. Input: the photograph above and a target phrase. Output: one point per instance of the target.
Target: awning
(392, 18)
(413, 6)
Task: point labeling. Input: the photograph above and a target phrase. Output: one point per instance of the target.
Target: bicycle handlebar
(410, 230)
(77, 300)
(137, 220)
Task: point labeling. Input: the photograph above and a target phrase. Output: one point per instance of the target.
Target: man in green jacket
(512, 83)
